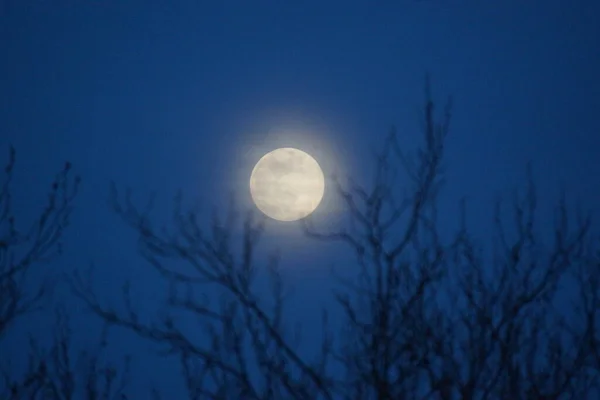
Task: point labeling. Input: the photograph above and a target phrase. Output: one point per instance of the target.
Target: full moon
(287, 184)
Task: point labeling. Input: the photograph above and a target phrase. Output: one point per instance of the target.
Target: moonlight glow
(287, 184)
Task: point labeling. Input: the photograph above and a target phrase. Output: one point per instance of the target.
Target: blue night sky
(159, 96)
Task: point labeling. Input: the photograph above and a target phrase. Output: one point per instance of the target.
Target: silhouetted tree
(59, 372)
(24, 288)
(62, 373)
(22, 251)
(427, 317)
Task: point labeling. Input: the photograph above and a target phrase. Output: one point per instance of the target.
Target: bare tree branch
(19, 252)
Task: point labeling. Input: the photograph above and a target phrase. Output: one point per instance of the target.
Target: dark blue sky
(167, 95)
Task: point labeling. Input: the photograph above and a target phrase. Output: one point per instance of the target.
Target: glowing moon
(287, 184)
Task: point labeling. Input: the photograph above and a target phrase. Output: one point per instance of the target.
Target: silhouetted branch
(242, 336)
(58, 374)
(20, 251)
